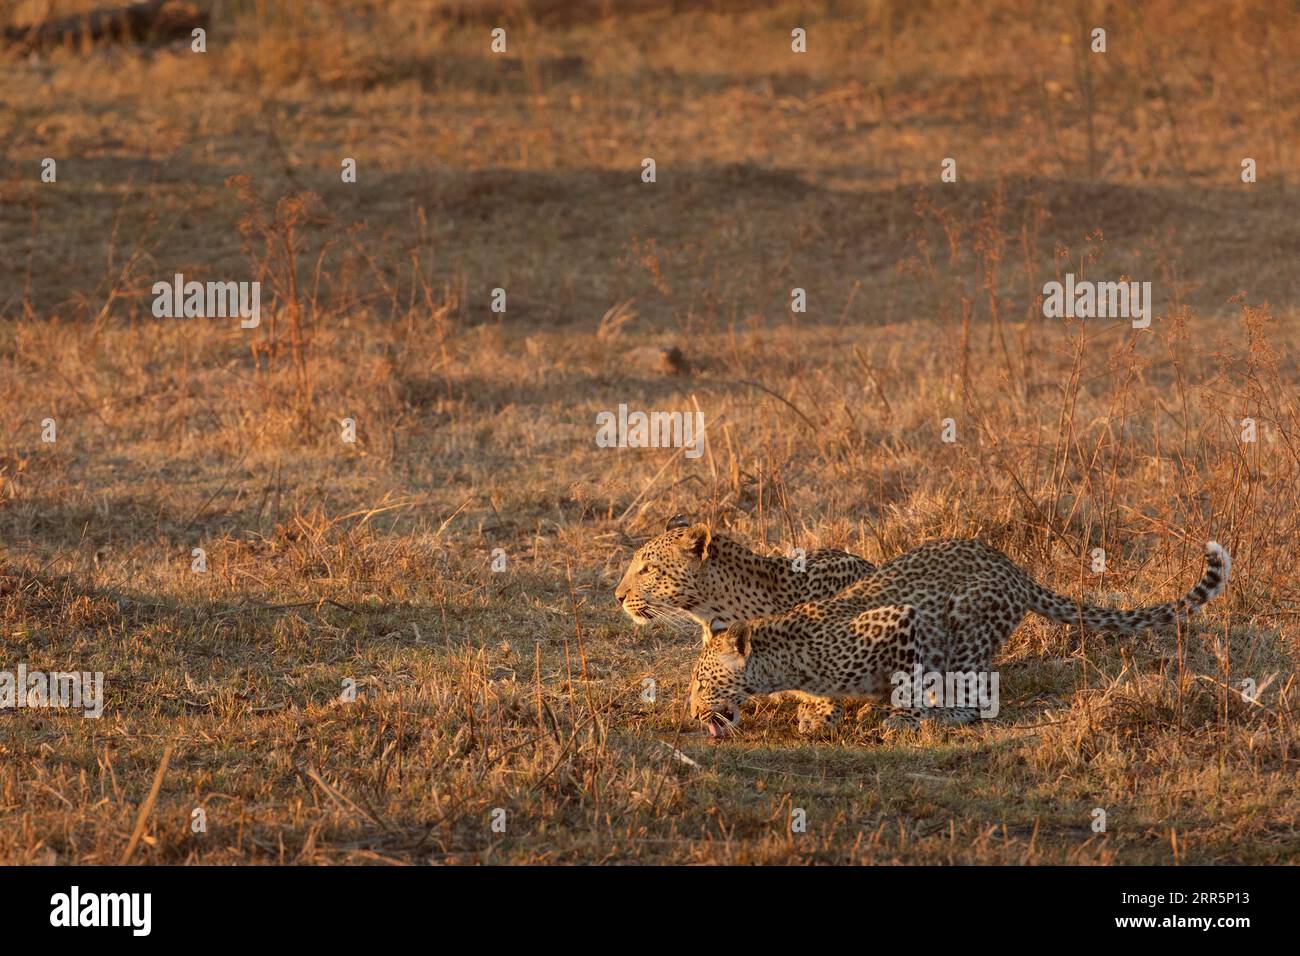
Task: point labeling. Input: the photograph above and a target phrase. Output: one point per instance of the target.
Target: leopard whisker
(673, 617)
(671, 624)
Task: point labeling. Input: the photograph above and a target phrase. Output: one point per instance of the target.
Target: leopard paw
(818, 716)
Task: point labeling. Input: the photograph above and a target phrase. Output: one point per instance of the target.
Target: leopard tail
(1064, 610)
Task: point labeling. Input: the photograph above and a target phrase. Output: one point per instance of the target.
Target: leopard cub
(947, 606)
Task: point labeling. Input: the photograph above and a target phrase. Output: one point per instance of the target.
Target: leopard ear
(697, 540)
(677, 521)
(736, 638)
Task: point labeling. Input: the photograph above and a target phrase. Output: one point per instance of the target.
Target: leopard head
(718, 685)
(664, 578)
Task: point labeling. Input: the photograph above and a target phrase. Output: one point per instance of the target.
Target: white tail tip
(1219, 552)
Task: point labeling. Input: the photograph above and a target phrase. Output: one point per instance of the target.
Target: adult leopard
(690, 572)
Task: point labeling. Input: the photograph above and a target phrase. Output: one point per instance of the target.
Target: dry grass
(523, 690)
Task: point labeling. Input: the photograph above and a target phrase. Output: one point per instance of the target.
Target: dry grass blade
(146, 808)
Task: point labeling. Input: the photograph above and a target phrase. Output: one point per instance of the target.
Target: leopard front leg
(902, 719)
(890, 636)
(975, 634)
(952, 716)
(818, 715)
